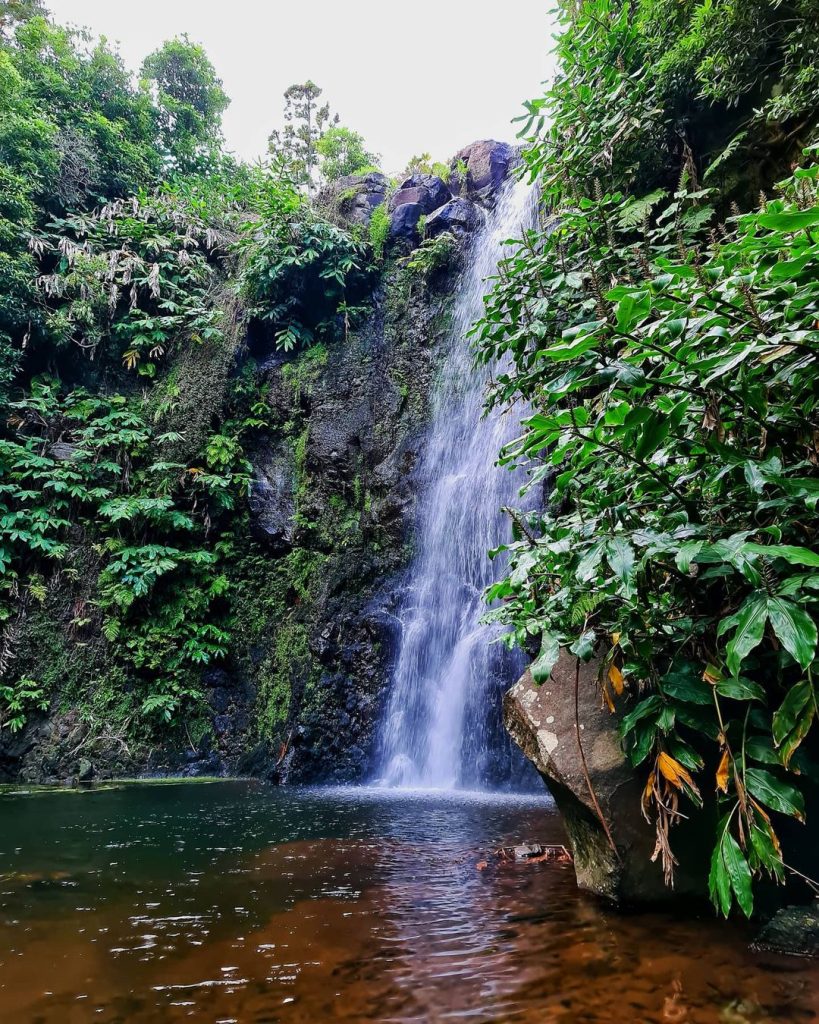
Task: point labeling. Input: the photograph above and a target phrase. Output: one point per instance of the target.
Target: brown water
(236, 902)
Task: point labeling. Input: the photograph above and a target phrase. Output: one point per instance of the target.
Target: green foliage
(341, 152)
(297, 268)
(379, 231)
(18, 700)
(294, 148)
(190, 102)
(670, 365)
(432, 255)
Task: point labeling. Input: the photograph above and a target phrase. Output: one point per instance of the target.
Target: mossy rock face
(315, 556)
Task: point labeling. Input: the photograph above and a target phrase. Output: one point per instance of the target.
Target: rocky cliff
(319, 548)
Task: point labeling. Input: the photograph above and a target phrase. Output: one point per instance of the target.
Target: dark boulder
(404, 222)
(487, 165)
(460, 216)
(427, 190)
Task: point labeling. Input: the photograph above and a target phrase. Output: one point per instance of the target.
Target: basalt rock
(580, 759)
(354, 197)
(459, 216)
(404, 223)
(272, 497)
(487, 165)
(427, 190)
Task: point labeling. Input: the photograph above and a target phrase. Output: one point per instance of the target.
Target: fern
(634, 213)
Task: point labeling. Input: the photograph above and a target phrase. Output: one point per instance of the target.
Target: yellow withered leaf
(615, 639)
(616, 677)
(723, 771)
(674, 772)
(712, 675)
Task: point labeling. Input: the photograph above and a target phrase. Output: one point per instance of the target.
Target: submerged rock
(792, 930)
(541, 720)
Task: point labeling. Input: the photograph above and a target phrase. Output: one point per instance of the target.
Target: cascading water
(442, 728)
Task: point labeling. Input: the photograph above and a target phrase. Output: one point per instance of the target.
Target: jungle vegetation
(662, 326)
(134, 251)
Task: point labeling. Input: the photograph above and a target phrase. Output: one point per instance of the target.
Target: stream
(233, 902)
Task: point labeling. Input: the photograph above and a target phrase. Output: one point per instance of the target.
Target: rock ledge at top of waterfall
(476, 174)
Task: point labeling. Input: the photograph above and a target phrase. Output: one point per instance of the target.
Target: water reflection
(236, 902)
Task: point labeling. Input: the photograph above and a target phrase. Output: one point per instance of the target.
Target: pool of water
(238, 902)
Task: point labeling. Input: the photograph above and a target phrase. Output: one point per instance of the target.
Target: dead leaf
(616, 677)
(724, 771)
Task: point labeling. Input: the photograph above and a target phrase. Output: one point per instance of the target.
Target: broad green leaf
(719, 884)
(793, 220)
(774, 793)
(795, 628)
(794, 555)
(795, 702)
(751, 619)
(547, 659)
(685, 684)
(738, 872)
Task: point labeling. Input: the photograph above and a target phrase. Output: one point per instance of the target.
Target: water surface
(238, 902)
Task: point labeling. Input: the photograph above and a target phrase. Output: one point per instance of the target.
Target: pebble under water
(236, 902)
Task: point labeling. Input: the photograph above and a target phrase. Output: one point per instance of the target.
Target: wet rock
(404, 222)
(792, 930)
(460, 216)
(272, 497)
(354, 197)
(487, 165)
(62, 451)
(85, 770)
(541, 720)
(425, 190)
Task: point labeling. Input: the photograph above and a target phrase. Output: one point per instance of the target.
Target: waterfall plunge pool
(240, 902)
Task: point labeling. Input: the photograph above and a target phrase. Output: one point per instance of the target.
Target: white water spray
(442, 728)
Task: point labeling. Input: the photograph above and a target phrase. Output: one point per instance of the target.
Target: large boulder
(487, 165)
(459, 216)
(404, 222)
(355, 196)
(427, 190)
(542, 721)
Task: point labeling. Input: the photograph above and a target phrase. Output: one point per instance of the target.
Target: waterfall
(442, 727)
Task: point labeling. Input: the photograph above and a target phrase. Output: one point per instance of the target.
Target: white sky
(411, 75)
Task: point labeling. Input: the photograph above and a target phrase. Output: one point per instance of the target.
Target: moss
(301, 374)
(379, 230)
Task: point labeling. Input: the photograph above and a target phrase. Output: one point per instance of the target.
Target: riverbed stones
(580, 759)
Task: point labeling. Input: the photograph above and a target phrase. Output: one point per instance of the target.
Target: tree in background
(296, 145)
(342, 152)
(190, 101)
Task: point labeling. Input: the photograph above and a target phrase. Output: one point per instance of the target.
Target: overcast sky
(411, 75)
